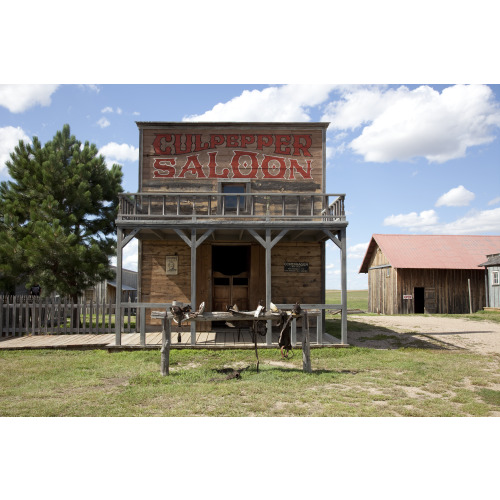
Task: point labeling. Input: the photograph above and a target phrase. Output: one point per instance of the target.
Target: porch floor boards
(215, 339)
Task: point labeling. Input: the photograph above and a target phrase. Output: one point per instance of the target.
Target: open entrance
(419, 299)
(231, 273)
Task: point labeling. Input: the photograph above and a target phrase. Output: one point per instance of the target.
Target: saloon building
(232, 213)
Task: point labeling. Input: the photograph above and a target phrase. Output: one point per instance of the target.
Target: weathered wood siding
(493, 290)
(445, 290)
(193, 157)
(382, 285)
(287, 287)
(291, 287)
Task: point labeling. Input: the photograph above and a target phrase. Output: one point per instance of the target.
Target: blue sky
(411, 159)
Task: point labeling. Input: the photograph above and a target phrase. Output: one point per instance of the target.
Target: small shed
(426, 273)
(492, 280)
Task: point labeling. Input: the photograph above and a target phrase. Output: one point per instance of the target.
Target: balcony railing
(313, 207)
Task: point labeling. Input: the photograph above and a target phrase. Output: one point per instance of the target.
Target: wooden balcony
(250, 208)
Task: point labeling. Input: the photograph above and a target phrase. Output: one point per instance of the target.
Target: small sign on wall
(407, 297)
(296, 267)
(172, 265)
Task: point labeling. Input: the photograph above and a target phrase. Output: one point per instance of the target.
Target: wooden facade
(394, 288)
(232, 213)
(492, 281)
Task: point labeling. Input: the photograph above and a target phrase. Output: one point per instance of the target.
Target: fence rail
(31, 315)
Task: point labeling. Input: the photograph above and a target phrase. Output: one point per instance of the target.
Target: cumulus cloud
(19, 98)
(475, 222)
(272, 104)
(357, 251)
(116, 153)
(107, 109)
(9, 139)
(103, 122)
(494, 201)
(130, 256)
(456, 197)
(402, 124)
(413, 221)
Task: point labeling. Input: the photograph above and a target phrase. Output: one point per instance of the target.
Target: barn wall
(382, 283)
(446, 290)
(493, 290)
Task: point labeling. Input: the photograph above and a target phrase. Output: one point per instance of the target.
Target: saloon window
(230, 202)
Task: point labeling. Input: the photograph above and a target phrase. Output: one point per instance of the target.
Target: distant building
(426, 273)
(492, 279)
(106, 289)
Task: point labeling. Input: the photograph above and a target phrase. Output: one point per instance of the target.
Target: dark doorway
(231, 273)
(419, 300)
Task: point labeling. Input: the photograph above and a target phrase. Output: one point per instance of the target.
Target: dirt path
(426, 331)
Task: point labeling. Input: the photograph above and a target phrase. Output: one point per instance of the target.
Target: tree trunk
(306, 351)
(75, 317)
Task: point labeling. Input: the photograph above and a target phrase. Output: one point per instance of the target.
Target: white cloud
(330, 266)
(119, 152)
(103, 122)
(494, 201)
(19, 98)
(402, 124)
(129, 256)
(119, 111)
(9, 139)
(107, 109)
(357, 251)
(476, 222)
(413, 221)
(456, 197)
(284, 103)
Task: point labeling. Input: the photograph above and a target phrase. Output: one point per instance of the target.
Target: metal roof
(431, 251)
(493, 260)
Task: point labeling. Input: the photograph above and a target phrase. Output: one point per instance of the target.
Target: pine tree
(57, 215)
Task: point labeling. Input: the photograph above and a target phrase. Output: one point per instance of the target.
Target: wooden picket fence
(32, 315)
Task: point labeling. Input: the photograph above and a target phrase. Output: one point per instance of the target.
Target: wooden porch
(221, 339)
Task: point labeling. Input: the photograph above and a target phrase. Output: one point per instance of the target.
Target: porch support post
(118, 310)
(269, 332)
(343, 259)
(193, 283)
(268, 244)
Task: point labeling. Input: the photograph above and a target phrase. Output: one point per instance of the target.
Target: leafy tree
(57, 215)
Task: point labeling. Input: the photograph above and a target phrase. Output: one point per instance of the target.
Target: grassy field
(345, 382)
(356, 299)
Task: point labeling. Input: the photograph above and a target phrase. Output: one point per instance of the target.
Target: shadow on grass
(361, 334)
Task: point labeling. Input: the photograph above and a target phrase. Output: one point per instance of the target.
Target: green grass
(345, 382)
(356, 299)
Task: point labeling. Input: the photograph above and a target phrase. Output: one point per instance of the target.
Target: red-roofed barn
(426, 273)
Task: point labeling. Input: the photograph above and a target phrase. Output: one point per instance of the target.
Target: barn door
(430, 300)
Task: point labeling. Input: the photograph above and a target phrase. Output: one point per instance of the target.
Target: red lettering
(198, 146)
(178, 144)
(306, 174)
(247, 139)
(280, 141)
(196, 169)
(266, 166)
(232, 140)
(158, 143)
(298, 146)
(235, 164)
(212, 165)
(264, 140)
(164, 168)
(216, 140)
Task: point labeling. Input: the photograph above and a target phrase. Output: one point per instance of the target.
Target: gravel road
(432, 331)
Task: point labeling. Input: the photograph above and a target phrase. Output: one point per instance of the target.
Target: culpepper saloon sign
(232, 155)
